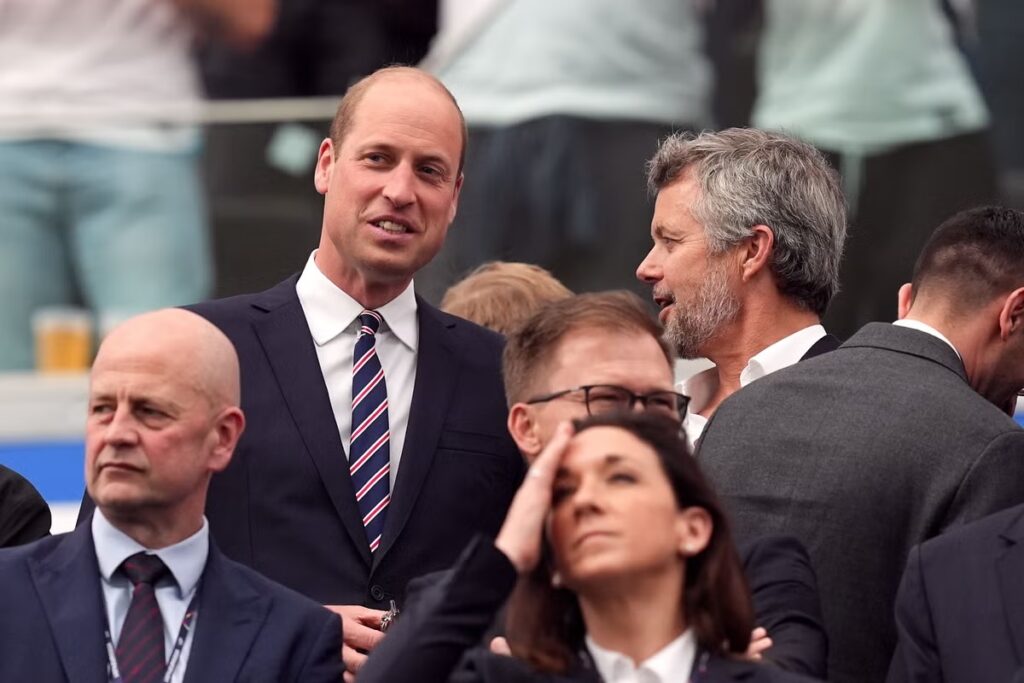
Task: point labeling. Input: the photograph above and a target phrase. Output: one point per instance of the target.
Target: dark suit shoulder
(230, 311)
(24, 515)
(966, 539)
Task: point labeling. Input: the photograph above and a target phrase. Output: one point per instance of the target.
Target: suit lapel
(1009, 570)
(68, 583)
(436, 375)
(289, 348)
(231, 614)
(824, 345)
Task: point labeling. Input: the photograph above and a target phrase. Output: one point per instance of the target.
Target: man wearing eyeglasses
(599, 353)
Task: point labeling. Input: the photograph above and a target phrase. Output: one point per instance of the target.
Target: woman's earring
(556, 579)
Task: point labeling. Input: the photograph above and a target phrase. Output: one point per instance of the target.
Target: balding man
(140, 592)
(376, 446)
(894, 437)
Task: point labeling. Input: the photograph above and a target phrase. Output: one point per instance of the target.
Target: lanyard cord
(114, 673)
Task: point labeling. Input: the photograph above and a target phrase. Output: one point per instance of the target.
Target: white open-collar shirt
(333, 319)
(702, 386)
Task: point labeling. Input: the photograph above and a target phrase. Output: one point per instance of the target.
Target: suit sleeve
(323, 662)
(784, 589)
(916, 658)
(448, 617)
(992, 483)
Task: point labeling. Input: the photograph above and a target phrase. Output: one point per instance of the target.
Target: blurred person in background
(100, 200)
(884, 90)
(565, 101)
(501, 296)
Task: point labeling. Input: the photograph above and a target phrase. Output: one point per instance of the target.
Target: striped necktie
(369, 453)
(140, 647)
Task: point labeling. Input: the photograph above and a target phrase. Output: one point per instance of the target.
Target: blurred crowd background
(160, 152)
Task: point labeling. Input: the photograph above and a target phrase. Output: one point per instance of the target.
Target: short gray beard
(691, 324)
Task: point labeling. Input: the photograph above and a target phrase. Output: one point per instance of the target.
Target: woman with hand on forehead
(620, 565)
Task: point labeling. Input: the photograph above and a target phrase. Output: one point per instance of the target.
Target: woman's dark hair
(545, 624)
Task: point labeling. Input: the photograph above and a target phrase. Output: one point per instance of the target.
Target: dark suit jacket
(24, 515)
(286, 506)
(248, 628)
(960, 607)
(447, 619)
(784, 591)
(862, 453)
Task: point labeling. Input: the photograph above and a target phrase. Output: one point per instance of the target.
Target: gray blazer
(863, 453)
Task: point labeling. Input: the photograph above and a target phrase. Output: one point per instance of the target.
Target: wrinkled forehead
(143, 376)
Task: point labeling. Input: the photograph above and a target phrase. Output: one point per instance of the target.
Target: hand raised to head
(523, 531)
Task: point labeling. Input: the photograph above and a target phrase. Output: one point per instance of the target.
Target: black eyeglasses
(609, 398)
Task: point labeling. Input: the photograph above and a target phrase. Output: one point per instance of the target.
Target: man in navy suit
(140, 591)
(289, 505)
(960, 605)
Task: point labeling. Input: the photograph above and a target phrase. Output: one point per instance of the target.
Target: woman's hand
(523, 531)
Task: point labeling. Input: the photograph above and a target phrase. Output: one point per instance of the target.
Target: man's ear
(904, 298)
(228, 428)
(1011, 315)
(523, 428)
(324, 166)
(757, 250)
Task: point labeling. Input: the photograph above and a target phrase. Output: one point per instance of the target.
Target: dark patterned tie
(369, 451)
(140, 648)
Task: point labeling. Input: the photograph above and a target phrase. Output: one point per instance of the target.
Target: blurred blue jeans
(119, 230)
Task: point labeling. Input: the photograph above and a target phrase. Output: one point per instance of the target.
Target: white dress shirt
(186, 561)
(670, 664)
(927, 329)
(333, 318)
(702, 386)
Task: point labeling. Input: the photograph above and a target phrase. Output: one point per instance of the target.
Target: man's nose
(649, 270)
(399, 186)
(122, 430)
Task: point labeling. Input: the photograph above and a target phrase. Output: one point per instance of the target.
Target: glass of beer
(63, 339)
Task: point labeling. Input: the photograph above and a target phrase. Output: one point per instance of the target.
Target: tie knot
(144, 568)
(370, 321)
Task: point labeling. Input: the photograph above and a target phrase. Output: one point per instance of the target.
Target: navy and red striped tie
(140, 647)
(369, 451)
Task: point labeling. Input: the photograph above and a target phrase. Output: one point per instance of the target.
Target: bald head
(348, 108)
(178, 344)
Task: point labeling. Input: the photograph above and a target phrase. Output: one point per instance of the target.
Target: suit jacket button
(376, 592)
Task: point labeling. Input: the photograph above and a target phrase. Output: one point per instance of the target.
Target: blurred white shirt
(98, 71)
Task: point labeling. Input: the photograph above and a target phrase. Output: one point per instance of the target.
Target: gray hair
(750, 177)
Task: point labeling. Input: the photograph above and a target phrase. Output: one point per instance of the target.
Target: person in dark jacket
(637, 573)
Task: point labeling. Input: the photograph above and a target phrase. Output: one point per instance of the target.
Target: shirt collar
(671, 663)
(781, 354)
(185, 559)
(329, 310)
(927, 329)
